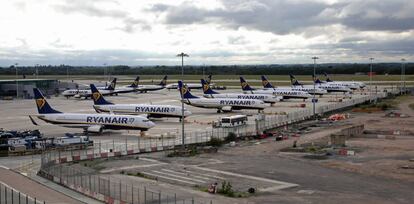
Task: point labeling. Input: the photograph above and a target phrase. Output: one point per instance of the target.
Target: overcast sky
(138, 32)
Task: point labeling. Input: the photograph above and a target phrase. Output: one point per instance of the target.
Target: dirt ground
(380, 156)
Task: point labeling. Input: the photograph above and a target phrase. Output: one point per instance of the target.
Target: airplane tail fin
(244, 85)
(327, 77)
(112, 85)
(135, 83)
(163, 81)
(266, 83)
(43, 106)
(208, 80)
(206, 87)
(184, 91)
(97, 97)
(294, 81)
(316, 79)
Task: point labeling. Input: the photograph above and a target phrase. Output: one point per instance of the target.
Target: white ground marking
(130, 167)
(181, 177)
(281, 184)
(186, 174)
(207, 175)
(169, 178)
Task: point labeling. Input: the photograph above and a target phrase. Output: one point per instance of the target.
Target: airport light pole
(182, 55)
(402, 76)
(370, 77)
(104, 71)
(314, 85)
(37, 71)
(17, 83)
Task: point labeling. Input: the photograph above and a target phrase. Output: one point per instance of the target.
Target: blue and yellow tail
(111, 85)
(43, 106)
(316, 79)
(206, 87)
(163, 81)
(294, 81)
(184, 91)
(208, 80)
(244, 85)
(97, 97)
(135, 83)
(327, 77)
(266, 83)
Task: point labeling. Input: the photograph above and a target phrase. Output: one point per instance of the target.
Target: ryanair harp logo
(184, 90)
(40, 102)
(244, 84)
(265, 82)
(96, 96)
(205, 87)
(135, 83)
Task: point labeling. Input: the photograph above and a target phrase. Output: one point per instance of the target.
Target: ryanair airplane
(285, 93)
(221, 104)
(327, 87)
(267, 98)
(191, 85)
(77, 93)
(94, 123)
(128, 88)
(350, 84)
(153, 87)
(318, 91)
(154, 111)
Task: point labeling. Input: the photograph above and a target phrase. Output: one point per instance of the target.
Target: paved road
(32, 188)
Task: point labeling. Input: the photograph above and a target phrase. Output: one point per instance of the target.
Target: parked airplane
(109, 91)
(327, 87)
(153, 87)
(78, 92)
(128, 88)
(267, 98)
(285, 93)
(331, 87)
(318, 91)
(221, 104)
(190, 85)
(154, 111)
(351, 84)
(95, 123)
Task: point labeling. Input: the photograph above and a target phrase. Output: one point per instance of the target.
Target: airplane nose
(150, 124)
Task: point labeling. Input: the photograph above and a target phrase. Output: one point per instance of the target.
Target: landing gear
(218, 111)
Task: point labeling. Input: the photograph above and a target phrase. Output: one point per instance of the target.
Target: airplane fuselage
(156, 111)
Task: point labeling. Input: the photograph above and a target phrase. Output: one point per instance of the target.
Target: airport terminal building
(24, 87)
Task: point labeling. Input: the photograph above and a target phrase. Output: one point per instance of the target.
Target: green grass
(221, 80)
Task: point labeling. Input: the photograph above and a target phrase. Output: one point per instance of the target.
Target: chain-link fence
(9, 195)
(109, 189)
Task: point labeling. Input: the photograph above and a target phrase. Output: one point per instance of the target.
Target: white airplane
(318, 91)
(285, 93)
(154, 111)
(128, 88)
(153, 87)
(190, 85)
(267, 98)
(77, 93)
(351, 84)
(328, 87)
(95, 123)
(221, 104)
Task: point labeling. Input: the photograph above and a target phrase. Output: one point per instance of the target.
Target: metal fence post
(159, 197)
(145, 195)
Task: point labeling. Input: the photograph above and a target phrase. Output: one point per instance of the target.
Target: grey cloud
(286, 16)
(90, 8)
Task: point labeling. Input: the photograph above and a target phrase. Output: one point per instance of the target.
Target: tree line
(272, 69)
